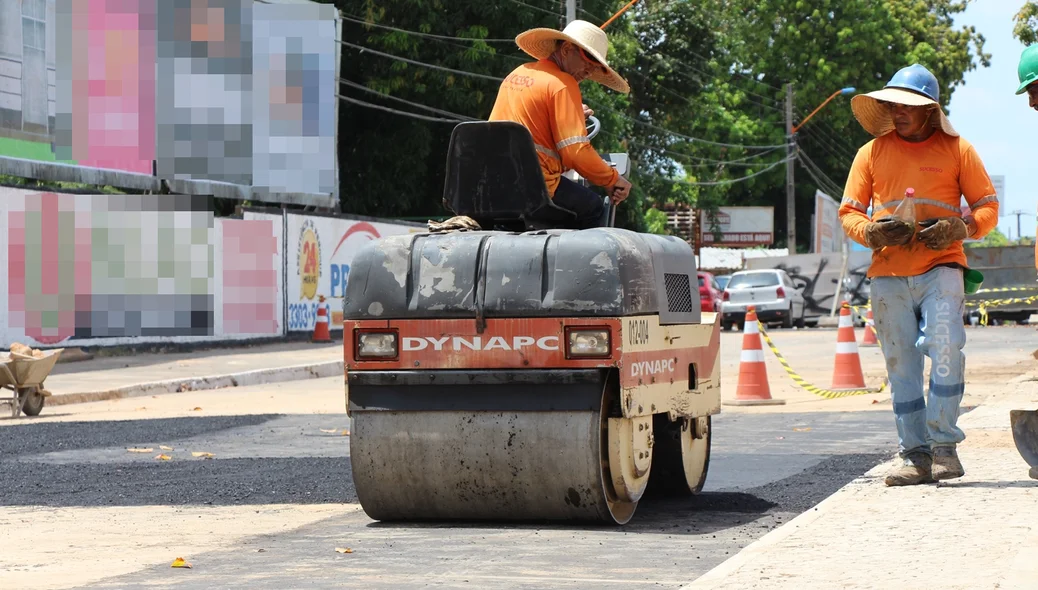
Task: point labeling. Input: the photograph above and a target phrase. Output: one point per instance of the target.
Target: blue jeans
(586, 203)
(917, 316)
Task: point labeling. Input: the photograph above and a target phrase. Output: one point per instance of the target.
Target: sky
(996, 121)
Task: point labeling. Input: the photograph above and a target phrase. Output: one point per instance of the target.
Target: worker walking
(917, 267)
(544, 96)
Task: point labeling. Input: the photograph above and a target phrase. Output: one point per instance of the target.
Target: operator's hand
(619, 191)
(941, 234)
(887, 233)
(587, 111)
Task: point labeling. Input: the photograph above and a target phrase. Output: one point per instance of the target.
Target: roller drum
(462, 465)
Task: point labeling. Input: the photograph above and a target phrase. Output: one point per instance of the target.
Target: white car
(770, 291)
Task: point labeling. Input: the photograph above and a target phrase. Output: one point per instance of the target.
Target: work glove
(943, 232)
(458, 223)
(879, 234)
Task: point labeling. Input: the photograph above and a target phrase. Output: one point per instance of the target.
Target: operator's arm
(979, 192)
(571, 142)
(857, 196)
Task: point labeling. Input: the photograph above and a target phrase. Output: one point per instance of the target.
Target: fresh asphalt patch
(765, 469)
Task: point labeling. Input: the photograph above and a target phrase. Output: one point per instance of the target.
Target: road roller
(523, 369)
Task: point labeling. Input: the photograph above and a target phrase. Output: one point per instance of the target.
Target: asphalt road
(765, 469)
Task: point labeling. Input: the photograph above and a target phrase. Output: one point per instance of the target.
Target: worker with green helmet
(1028, 72)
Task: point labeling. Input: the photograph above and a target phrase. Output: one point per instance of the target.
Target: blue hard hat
(916, 78)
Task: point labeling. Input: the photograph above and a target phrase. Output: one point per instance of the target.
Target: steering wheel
(594, 127)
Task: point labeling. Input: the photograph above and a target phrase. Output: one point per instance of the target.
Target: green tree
(821, 46)
(1025, 28)
(704, 122)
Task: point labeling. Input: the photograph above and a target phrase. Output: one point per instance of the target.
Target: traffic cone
(321, 332)
(870, 340)
(753, 388)
(847, 372)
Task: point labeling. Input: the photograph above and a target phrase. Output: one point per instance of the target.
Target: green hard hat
(1028, 68)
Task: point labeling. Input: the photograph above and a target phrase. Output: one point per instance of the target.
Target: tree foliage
(1025, 27)
(705, 121)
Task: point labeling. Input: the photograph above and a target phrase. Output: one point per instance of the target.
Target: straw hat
(540, 43)
(913, 86)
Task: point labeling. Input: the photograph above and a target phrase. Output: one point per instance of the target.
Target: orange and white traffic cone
(847, 372)
(321, 332)
(870, 340)
(753, 388)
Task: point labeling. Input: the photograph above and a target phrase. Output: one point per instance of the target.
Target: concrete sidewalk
(979, 531)
(105, 378)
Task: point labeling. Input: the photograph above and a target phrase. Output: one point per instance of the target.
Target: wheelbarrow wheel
(33, 401)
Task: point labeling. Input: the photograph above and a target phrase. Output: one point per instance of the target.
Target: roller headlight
(588, 343)
(377, 345)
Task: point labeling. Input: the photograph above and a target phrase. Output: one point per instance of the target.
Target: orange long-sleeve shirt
(547, 101)
(942, 170)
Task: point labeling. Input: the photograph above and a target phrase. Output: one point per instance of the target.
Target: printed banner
(319, 253)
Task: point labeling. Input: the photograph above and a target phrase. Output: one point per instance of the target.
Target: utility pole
(571, 11)
(791, 221)
(1018, 213)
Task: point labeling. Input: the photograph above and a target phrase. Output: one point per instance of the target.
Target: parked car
(722, 281)
(774, 295)
(709, 292)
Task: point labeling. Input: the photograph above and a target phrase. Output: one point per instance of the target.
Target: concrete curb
(717, 577)
(247, 378)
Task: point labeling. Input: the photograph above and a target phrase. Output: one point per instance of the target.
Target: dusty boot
(946, 464)
(914, 471)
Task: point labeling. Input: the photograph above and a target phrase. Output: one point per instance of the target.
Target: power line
(414, 104)
(396, 112)
(708, 161)
(820, 177)
(420, 34)
(544, 10)
(420, 63)
(703, 141)
(725, 182)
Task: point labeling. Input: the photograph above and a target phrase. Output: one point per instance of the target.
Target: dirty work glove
(458, 223)
(940, 235)
(888, 233)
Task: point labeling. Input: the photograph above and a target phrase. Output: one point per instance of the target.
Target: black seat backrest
(494, 176)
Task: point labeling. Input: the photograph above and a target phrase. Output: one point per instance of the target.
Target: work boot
(946, 464)
(915, 470)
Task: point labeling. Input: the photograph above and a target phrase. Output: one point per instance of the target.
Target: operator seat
(494, 177)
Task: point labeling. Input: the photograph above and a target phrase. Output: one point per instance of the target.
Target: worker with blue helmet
(914, 174)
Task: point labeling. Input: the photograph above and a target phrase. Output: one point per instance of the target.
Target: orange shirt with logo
(942, 170)
(547, 101)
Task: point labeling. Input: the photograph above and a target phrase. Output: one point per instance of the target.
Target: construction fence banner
(738, 227)
(105, 270)
(319, 250)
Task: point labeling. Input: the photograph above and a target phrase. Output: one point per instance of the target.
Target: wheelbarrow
(23, 376)
(1025, 435)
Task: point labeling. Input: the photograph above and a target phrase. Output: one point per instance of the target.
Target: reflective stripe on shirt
(919, 201)
(850, 202)
(547, 151)
(571, 141)
(984, 201)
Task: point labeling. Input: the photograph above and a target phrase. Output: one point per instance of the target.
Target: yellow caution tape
(826, 393)
(1007, 289)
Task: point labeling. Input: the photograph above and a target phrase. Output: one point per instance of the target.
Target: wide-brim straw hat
(540, 43)
(877, 119)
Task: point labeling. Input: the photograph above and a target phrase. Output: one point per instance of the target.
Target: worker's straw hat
(540, 43)
(913, 86)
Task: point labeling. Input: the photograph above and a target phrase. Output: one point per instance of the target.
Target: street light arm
(832, 96)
